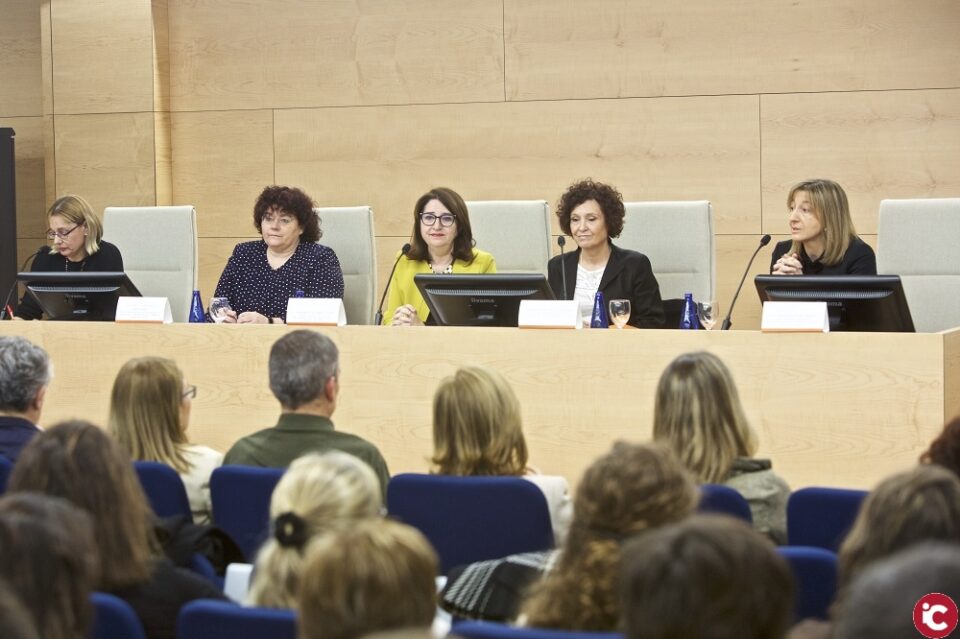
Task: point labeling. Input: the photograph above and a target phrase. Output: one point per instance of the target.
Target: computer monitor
(78, 295)
(480, 300)
(854, 302)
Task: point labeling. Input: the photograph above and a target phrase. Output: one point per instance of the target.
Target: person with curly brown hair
(945, 449)
(262, 275)
(592, 214)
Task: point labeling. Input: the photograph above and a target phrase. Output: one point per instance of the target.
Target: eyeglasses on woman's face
(52, 235)
(190, 392)
(446, 219)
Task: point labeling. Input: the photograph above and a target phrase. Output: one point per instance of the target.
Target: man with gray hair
(305, 378)
(24, 376)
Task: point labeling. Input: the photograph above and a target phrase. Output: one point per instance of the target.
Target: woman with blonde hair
(697, 413)
(477, 431)
(320, 493)
(149, 414)
(76, 233)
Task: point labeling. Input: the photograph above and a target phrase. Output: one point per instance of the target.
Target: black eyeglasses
(429, 219)
(51, 234)
(191, 392)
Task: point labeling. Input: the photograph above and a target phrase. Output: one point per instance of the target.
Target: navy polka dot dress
(251, 284)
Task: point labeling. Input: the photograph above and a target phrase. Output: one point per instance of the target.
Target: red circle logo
(935, 615)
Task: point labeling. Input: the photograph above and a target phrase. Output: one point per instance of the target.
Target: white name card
(316, 311)
(805, 317)
(148, 310)
(549, 314)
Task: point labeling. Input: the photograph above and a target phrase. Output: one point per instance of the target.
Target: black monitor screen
(480, 300)
(78, 295)
(854, 302)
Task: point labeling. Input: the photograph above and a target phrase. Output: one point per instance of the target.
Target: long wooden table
(840, 409)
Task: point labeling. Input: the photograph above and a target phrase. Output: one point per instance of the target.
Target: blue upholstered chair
(717, 498)
(6, 467)
(164, 489)
(490, 630)
(240, 497)
(113, 618)
(470, 519)
(208, 619)
(815, 574)
(822, 517)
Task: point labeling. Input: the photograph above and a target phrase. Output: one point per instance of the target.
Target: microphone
(5, 311)
(378, 318)
(561, 240)
(726, 320)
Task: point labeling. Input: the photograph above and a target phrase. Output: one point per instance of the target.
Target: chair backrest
(822, 517)
(113, 618)
(490, 630)
(208, 619)
(515, 232)
(815, 574)
(348, 230)
(717, 498)
(678, 239)
(240, 499)
(470, 519)
(164, 489)
(159, 248)
(6, 467)
(916, 239)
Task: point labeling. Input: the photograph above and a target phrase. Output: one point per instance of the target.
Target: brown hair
(79, 462)
(709, 576)
(630, 489)
(606, 196)
(451, 200)
(945, 449)
(378, 575)
(477, 425)
(76, 210)
(15, 619)
(292, 201)
(833, 212)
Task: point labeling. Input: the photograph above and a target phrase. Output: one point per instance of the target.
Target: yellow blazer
(404, 291)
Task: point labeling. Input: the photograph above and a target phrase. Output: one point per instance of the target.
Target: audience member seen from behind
(47, 555)
(25, 374)
(709, 577)
(441, 242)
(945, 449)
(82, 464)
(477, 431)
(261, 276)
(823, 239)
(375, 577)
(76, 233)
(149, 414)
(15, 620)
(697, 413)
(630, 489)
(320, 493)
(305, 379)
(592, 214)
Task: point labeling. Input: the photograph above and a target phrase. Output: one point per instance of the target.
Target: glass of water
(619, 312)
(218, 309)
(707, 312)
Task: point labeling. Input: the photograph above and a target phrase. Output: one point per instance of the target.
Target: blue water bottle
(688, 320)
(197, 315)
(598, 319)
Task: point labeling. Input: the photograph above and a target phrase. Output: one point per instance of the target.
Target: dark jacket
(858, 260)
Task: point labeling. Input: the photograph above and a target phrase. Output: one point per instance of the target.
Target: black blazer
(628, 275)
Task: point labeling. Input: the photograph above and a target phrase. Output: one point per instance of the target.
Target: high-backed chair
(916, 239)
(489, 630)
(678, 239)
(822, 517)
(159, 248)
(208, 619)
(348, 230)
(113, 618)
(240, 499)
(815, 573)
(470, 519)
(164, 489)
(515, 232)
(720, 499)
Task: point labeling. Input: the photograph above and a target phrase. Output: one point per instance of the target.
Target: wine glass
(707, 312)
(218, 308)
(620, 312)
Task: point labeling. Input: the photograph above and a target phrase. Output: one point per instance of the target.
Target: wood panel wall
(206, 101)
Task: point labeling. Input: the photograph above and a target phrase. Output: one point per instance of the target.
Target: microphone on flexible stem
(378, 318)
(726, 320)
(3, 311)
(563, 270)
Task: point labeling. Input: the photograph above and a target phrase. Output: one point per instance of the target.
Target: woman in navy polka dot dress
(261, 276)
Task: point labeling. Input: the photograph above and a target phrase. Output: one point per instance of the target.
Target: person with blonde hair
(149, 414)
(823, 238)
(697, 413)
(477, 431)
(374, 577)
(77, 236)
(319, 494)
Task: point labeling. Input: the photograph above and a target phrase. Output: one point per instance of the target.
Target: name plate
(549, 314)
(316, 311)
(144, 310)
(800, 317)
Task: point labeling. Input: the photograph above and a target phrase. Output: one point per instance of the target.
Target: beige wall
(206, 101)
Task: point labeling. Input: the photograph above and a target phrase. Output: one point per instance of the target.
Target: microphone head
(406, 248)
(764, 240)
(561, 240)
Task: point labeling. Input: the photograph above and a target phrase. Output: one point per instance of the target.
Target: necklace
(444, 270)
(66, 264)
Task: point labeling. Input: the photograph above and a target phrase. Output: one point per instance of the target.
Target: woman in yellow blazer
(441, 242)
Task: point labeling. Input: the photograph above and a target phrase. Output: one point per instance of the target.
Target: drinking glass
(707, 312)
(619, 312)
(218, 308)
